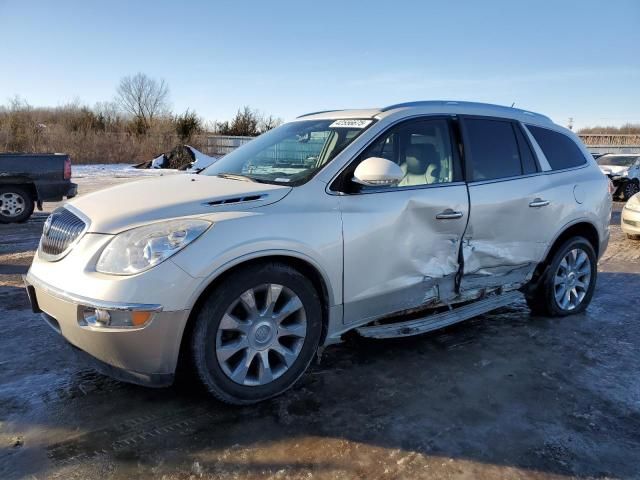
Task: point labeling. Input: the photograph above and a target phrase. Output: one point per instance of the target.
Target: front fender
(297, 235)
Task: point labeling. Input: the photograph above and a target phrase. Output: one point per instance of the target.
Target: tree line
(628, 129)
(134, 126)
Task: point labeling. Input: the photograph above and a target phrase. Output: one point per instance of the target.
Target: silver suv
(337, 221)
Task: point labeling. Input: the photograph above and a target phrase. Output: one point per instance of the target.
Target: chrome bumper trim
(30, 279)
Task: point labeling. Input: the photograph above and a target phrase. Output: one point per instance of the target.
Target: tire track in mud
(131, 433)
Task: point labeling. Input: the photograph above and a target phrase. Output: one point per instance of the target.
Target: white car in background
(623, 171)
(337, 221)
(630, 221)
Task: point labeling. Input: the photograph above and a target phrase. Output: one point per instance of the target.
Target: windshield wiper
(234, 176)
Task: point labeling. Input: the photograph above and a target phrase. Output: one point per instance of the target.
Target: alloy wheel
(11, 204)
(261, 334)
(630, 189)
(572, 279)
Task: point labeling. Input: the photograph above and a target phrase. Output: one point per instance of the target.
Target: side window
(421, 148)
(494, 149)
(561, 151)
(529, 163)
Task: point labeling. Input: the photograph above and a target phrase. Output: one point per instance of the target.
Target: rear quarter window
(561, 151)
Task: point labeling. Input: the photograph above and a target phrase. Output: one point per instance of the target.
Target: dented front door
(401, 248)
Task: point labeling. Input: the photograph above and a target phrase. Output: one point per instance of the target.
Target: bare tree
(248, 122)
(143, 97)
(269, 123)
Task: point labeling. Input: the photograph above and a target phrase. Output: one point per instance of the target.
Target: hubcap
(261, 334)
(572, 279)
(11, 204)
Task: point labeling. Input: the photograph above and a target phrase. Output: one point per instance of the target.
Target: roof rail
(427, 103)
(316, 113)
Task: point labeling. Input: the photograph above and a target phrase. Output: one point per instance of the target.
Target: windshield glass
(617, 160)
(292, 153)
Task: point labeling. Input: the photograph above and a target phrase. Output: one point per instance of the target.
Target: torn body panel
(507, 234)
(415, 256)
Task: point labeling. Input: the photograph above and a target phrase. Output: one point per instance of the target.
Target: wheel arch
(580, 228)
(302, 264)
(22, 182)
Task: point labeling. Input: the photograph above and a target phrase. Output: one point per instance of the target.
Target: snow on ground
(117, 170)
(202, 160)
(158, 161)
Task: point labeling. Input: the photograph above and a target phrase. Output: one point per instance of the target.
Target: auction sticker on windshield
(350, 124)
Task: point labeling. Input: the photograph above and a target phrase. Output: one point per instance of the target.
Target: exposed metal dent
(488, 263)
(415, 256)
(493, 258)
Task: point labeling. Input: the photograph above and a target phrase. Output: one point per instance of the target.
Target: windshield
(292, 153)
(617, 160)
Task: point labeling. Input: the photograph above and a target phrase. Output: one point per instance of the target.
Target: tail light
(67, 169)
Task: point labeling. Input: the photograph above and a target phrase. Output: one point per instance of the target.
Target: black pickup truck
(28, 179)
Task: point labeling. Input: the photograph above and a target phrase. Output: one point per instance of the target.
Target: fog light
(98, 317)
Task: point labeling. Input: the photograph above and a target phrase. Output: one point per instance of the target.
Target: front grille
(631, 222)
(61, 229)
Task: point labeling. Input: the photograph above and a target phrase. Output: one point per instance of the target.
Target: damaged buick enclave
(387, 222)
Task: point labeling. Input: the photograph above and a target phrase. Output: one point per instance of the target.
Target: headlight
(634, 203)
(141, 248)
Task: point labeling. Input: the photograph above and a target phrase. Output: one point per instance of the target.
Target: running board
(439, 320)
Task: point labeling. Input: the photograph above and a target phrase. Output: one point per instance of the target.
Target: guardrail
(610, 139)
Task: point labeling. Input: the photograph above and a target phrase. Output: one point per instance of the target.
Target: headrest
(419, 157)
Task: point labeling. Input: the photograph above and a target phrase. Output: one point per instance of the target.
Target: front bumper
(145, 355)
(630, 221)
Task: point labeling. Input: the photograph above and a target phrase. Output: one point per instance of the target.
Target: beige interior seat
(421, 165)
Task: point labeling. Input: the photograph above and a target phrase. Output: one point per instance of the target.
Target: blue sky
(569, 58)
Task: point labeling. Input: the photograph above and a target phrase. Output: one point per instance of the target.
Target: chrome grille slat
(60, 231)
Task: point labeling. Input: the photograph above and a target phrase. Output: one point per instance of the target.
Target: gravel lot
(506, 395)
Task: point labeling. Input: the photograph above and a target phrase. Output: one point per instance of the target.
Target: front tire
(16, 204)
(630, 189)
(256, 333)
(568, 282)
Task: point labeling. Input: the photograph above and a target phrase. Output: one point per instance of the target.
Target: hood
(121, 207)
(613, 169)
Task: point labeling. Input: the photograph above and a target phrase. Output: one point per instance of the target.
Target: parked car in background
(28, 179)
(624, 172)
(630, 218)
(336, 221)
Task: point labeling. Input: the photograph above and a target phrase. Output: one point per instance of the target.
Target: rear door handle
(448, 214)
(538, 202)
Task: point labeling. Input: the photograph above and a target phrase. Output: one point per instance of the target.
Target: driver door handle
(448, 214)
(538, 202)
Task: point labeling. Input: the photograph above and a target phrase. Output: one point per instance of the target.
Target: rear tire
(256, 333)
(16, 204)
(568, 282)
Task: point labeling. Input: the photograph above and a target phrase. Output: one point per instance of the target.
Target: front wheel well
(302, 266)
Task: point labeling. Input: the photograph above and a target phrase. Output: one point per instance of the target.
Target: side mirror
(378, 172)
